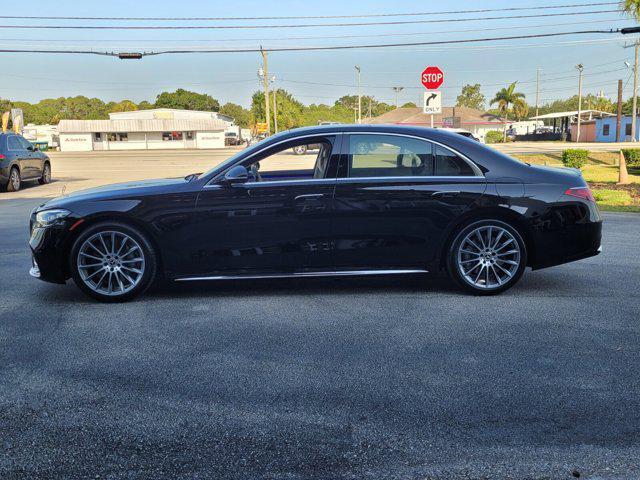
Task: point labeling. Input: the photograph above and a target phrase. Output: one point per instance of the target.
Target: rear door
(395, 197)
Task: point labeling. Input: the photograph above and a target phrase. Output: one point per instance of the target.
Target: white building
(155, 129)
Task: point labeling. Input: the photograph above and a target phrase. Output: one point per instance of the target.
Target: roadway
(395, 378)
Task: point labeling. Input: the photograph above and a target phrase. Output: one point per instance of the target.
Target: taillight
(581, 192)
(2, 157)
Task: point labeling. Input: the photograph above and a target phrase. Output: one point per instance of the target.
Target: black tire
(454, 269)
(300, 149)
(15, 180)
(150, 259)
(46, 174)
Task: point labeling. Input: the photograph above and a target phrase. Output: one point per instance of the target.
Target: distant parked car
(231, 138)
(20, 161)
(461, 131)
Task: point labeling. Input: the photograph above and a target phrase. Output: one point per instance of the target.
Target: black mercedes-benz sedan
(367, 200)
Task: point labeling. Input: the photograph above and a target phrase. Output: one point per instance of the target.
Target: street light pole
(580, 68)
(397, 90)
(265, 82)
(275, 105)
(537, 90)
(357, 67)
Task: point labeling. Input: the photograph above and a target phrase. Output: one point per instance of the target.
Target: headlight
(47, 218)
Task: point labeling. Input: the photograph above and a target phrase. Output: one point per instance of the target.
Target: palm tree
(504, 98)
(631, 7)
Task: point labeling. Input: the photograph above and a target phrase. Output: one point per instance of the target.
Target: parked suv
(20, 160)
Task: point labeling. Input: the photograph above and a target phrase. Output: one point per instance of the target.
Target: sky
(312, 77)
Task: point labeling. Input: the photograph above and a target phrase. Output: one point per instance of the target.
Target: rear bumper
(571, 243)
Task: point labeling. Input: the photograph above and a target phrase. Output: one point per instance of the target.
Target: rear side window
(449, 164)
(389, 156)
(13, 143)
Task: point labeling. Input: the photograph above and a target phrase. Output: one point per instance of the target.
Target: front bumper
(50, 247)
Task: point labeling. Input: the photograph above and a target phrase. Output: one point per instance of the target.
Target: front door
(278, 221)
(395, 199)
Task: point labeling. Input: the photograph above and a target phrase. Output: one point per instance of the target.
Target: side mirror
(236, 175)
(31, 148)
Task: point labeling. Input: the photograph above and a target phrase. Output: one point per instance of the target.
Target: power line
(307, 17)
(262, 39)
(309, 25)
(317, 48)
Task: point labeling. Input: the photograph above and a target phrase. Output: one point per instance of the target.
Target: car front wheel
(487, 257)
(113, 262)
(46, 175)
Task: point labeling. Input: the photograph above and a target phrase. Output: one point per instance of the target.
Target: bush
(574, 157)
(632, 156)
(494, 136)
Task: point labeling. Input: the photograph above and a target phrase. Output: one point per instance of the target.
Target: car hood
(117, 190)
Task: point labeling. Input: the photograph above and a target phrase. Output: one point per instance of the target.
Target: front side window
(389, 156)
(26, 144)
(304, 160)
(449, 164)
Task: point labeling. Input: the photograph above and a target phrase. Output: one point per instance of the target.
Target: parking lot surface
(401, 378)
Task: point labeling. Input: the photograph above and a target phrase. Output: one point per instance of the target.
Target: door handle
(309, 196)
(446, 194)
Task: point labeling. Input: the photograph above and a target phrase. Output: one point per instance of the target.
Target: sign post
(432, 78)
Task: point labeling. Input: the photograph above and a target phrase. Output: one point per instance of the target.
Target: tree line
(507, 102)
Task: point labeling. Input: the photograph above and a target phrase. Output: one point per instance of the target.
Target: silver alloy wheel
(110, 263)
(300, 149)
(15, 179)
(488, 257)
(46, 175)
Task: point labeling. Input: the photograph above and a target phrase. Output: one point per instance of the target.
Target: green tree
(471, 97)
(187, 100)
(505, 97)
(144, 105)
(631, 7)
(520, 109)
(289, 109)
(409, 105)
(241, 115)
(123, 106)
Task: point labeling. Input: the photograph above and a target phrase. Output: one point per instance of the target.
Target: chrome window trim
(330, 273)
(425, 178)
(470, 162)
(209, 183)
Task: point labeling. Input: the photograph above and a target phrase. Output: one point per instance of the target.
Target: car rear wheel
(300, 149)
(46, 175)
(487, 257)
(15, 181)
(113, 262)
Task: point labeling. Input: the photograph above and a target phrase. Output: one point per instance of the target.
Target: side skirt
(346, 273)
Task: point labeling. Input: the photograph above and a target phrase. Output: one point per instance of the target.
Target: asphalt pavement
(359, 378)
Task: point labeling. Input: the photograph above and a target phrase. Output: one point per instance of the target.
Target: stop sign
(432, 78)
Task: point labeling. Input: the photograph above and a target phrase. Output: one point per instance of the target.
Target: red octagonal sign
(432, 78)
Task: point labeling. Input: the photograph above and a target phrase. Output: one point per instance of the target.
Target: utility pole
(359, 96)
(619, 116)
(537, 90)
(634, 109)
(265, 80)
(580, 68)
(397, 90)
(275, 105)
